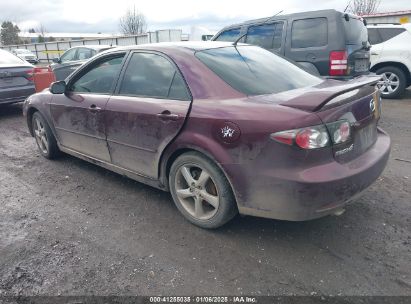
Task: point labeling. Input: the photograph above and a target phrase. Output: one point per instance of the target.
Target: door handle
(93, 108)
(167, 115)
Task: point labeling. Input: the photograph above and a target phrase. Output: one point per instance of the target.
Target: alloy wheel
(197, 192)
(41, 136)
(389, 83)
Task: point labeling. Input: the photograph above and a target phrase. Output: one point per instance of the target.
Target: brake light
(340, 131)
(30, 75)
(315, 137)
(338, 63)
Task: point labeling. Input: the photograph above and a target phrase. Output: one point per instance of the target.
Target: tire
(45, 140)
(397, 83)
(206, 202)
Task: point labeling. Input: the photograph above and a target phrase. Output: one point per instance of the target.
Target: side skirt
(119, 170)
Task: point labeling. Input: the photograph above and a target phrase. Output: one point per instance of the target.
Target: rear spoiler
(320, 95)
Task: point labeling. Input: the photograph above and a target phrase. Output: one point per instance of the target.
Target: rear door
(148, 110)
(308, 43)
(357, 45)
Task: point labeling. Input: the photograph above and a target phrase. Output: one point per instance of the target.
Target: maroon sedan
(225, 128)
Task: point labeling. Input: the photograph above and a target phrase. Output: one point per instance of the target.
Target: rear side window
(267, 36)
(374, 36)
(152, 75)
(229, 35)
(309, 33)
(389, 33)
(255, 71)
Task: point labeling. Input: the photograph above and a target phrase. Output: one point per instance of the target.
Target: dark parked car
(16, 78)
(73, 58)
(326, 42)
(226, 128)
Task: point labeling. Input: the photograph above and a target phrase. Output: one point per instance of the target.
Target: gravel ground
(68, 227)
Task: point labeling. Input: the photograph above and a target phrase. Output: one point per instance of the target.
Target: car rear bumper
(316, 191)
(17, 94)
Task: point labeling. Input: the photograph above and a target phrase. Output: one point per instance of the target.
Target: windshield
(355, 31)
(7, 58)
(255, 71)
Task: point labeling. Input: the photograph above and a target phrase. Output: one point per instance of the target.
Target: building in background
(389, 17)
(34, 37)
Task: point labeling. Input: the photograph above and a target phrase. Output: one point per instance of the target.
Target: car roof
(307, 14)
(188, 45)
(92, 46)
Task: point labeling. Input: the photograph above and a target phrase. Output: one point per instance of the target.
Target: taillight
(30, 75)
(315, 137)
(338, 63)
(340, 131)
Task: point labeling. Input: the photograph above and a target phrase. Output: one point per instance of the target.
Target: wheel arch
(173, 152)
(30, 113)
(398, 65)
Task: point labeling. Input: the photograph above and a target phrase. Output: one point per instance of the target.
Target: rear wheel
(46, 142)
(201, 192)
(393, 82)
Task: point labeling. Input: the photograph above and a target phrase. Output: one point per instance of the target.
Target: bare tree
(363, 7)
(133, 22)
(41, 30)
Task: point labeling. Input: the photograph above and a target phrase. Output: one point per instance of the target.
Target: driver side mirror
(56, 60)
(58, 87)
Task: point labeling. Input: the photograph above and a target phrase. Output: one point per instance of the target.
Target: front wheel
(46, 142)
(392, 84)
(201, 192)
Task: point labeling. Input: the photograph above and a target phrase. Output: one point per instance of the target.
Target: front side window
(309, 33)
(69, 55)
(229, 35)
(152, 75)
(84, 53)
(267, 36)
(100, 78)
(255, 71)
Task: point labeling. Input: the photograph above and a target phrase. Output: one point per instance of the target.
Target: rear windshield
(7, 58)
(355, 31)
(255, 71)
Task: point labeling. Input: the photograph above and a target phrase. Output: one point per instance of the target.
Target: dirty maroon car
(225, 128)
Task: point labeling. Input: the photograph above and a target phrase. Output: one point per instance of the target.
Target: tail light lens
(30, 75)
(315, 137)
(338, 63)
(340, 131)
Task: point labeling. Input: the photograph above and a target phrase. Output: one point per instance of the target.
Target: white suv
(391, 57)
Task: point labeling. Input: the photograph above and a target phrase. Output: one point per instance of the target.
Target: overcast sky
(92, 16)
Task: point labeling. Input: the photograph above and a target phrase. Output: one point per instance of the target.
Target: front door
(78, 115)
(146, 112)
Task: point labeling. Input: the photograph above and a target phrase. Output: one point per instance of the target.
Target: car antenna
(273, 16)
(238, 39)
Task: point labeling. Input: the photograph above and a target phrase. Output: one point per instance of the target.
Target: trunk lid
(330, 92)
(15, 76)
(357, 101)
(357, 45)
